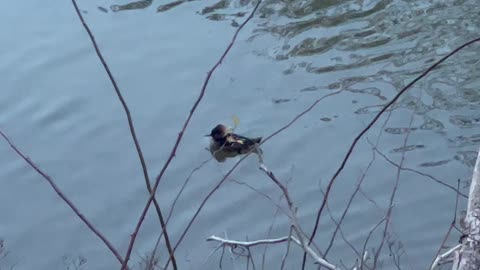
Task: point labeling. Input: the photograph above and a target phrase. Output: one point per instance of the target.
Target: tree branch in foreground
(132, 132)
(248, 244)
(64, 198)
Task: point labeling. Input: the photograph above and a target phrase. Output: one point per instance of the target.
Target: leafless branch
(132, 132)
(444, 256)
(64, 198)
(247, 244)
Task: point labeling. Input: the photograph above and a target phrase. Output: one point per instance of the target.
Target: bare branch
(247, 244)
(132, 132)
(64, 198)
(444, 256)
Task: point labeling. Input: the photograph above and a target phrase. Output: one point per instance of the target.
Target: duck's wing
(240, 144)
(243, 140)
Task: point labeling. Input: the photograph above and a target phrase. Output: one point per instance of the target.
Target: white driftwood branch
(444, 256)
(468, 257)
(247, 244)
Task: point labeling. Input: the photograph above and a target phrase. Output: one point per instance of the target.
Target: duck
(226, 144)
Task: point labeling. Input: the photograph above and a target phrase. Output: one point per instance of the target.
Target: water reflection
(132, 5)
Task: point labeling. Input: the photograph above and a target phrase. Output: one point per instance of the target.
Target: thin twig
(362, 133)
(394, 192)
(302, 238)
(172, 207)
(64, 198)
(270, 228)
(132, 131)
(357, 188)
(420, 173)
(284, 259)
(364, 249)
(445, 238)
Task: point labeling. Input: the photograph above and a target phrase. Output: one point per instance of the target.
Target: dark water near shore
(59, 107)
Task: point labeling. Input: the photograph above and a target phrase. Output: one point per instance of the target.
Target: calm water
(59, 107)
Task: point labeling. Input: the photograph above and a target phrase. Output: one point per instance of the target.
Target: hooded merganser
(226, 144)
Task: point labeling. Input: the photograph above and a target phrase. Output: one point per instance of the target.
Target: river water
(60, 109)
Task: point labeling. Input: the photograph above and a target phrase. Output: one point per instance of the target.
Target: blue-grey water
(60, 109)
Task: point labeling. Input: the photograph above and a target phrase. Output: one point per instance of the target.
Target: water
(60, 109)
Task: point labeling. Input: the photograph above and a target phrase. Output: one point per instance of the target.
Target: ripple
(462, 141)
(408, 148)
(465, 121)
(467, 157)
(399, 130)
(432, 124)
(434, 163)
(132, 5)
(281, 100)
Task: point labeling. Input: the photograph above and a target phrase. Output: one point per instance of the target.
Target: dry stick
(360, 135)
(180, 136)
(225, 177)
(132, 130)
(64, 198)
(452, 224)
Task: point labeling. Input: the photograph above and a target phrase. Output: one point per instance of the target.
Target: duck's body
(226, 144)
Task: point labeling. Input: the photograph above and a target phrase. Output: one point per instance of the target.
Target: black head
(219, 132)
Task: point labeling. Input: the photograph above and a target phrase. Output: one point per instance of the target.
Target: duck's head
(219, 132)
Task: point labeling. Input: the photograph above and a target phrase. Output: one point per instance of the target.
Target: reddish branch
(64, 198)
(362, 133)
(132, 131)
(179, 138)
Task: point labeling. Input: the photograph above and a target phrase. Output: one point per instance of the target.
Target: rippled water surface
(59, 107)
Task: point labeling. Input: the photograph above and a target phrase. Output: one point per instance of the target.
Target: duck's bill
(208, 135)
